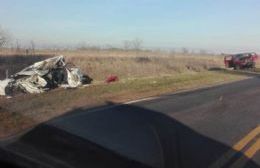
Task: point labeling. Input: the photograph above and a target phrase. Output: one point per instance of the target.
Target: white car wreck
(43, 76)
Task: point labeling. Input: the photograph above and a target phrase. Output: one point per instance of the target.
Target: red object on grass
(111, 78)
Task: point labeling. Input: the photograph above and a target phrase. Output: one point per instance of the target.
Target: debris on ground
(111, 78)
(43, 76)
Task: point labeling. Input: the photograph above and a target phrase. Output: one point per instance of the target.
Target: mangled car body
(43, 76)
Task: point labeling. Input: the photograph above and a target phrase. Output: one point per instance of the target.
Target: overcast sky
(218, 25)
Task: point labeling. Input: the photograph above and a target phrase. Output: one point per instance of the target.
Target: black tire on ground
(253, 68)
(253, 65)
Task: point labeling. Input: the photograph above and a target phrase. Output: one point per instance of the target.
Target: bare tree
(18, 46)
(32, 47)
(4, 38)
(137, 44)
(185, 51)
(127, 45)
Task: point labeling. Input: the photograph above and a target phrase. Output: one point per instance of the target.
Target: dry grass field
(125, 64)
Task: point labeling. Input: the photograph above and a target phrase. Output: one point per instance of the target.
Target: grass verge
(26, 111)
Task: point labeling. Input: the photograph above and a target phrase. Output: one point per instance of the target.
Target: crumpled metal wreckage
(44, 75)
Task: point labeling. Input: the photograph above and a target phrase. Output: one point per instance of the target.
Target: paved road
(213, 127)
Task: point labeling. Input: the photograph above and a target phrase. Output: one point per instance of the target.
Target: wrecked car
(44, 75)
(241, 61)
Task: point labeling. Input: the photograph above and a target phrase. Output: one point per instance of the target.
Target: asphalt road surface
(212, 127)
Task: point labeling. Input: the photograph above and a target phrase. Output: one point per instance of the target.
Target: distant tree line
(135, 44)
